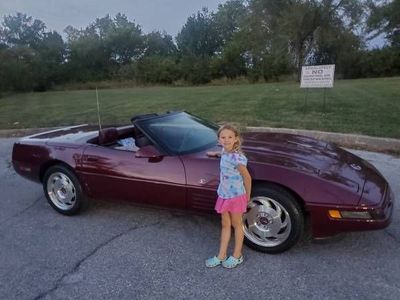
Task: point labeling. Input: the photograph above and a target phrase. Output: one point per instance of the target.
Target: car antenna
(98, 107)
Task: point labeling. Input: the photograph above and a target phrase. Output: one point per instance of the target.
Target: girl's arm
(246, 179)
(214, 154)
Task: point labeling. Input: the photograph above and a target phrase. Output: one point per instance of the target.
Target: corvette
(160, 160)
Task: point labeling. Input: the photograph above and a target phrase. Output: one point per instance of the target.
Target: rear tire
(63, 190)
(274, 221)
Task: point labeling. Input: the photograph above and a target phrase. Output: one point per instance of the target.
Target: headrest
(108, 136)
(142, 141)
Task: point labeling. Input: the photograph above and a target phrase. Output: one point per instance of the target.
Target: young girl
(233, 195)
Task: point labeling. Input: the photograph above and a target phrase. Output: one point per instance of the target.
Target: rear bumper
(323, 225)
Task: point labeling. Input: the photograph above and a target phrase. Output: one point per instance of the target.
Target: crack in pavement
(396, 239)
(22, 211)
(8, 164)
(7, 168)
(58, 282)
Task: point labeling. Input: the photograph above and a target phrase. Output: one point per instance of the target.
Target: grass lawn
(364, 106)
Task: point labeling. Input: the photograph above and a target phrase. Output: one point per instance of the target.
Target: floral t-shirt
(231, 181)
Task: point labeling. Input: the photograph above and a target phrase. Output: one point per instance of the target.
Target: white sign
(317, 76)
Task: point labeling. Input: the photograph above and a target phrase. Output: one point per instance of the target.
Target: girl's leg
(236, 219)
(225, 235)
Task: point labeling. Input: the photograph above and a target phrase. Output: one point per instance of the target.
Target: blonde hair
(237, 146)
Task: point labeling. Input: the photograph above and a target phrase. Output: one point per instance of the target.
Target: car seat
(108, 136)
(142, 141)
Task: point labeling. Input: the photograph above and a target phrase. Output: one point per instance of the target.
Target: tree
(199, 36)
(48, 61)
(385, 18)
(298, 22)
(195, 69)
(32, 56)
(197, 42)
(337, 45)
(229, 61)
(157, 69)
(22, 30)
(124, 40)
(99, 50)
(87, 56)
(380, 62)
(266, 48)
(16, 69)
(160, 44)
(228, 19)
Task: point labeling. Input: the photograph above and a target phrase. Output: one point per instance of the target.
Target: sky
(151, 15)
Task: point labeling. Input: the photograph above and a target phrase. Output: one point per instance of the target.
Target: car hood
(307, 155)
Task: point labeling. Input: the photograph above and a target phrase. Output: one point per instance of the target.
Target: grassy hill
(364, 106)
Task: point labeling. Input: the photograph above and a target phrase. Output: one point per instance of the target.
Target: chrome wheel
(266, 223)
(61, 191)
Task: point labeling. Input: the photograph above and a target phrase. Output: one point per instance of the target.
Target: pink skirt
(235, 205)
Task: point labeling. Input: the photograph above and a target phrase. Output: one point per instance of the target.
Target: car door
(202, 176)
(119, 174)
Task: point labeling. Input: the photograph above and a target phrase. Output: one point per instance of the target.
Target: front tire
(63, 190)
(274, 221)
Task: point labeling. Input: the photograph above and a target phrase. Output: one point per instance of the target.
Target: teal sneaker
(232, 262)
(213, 262)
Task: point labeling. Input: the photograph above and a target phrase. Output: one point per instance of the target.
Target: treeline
(254, 39)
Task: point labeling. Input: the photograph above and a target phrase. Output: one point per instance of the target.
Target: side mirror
(148, 151)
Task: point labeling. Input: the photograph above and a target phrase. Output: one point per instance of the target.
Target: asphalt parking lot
(121, 251)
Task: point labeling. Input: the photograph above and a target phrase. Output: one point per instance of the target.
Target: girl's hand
(213, 154)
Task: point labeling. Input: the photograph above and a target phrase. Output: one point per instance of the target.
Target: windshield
(180, 133)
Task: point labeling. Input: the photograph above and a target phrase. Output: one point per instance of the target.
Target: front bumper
(323, 225)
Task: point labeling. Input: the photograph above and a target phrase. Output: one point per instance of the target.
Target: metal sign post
(321, 76)
(305, 101)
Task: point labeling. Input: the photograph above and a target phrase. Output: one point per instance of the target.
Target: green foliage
(47, 64)
(157, 69)
(231, 63)
(104, 49)
(259, 40)
(380, 62)
(159, 44)
(199, 36)
(87, 58)
(339, 46)
(228, 20)
(21, 30)
(123, 40)
(385, 18)
(195, 70)
(16, 72)
(302, 23)
(30, 57)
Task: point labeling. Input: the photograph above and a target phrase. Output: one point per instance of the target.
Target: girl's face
(227, 139)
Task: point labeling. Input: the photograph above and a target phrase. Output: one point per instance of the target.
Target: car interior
(127, 138)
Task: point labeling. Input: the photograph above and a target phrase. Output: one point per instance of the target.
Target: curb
(10, 133)
(365, 142)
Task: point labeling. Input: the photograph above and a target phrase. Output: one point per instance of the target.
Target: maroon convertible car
(161, 160)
